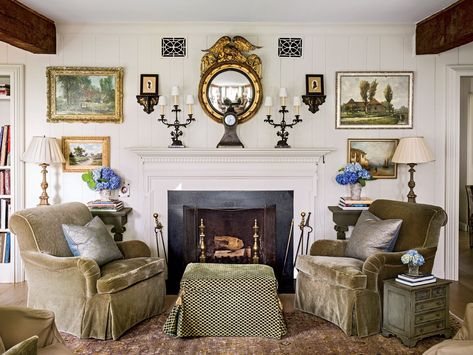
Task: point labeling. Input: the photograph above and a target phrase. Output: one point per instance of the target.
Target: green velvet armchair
(89, 301)
(347, 291)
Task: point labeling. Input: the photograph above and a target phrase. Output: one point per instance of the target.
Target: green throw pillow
(92, 241)
(372, 235)
(26, 347)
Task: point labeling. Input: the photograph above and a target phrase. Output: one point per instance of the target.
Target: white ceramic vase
(105, 195)
(355, 191)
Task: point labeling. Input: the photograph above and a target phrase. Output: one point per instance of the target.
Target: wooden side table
(343, 219)
(414, 313)
(116, 219)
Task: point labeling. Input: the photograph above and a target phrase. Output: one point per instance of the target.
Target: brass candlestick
(202, 241)
(255, 258)
(44, 198)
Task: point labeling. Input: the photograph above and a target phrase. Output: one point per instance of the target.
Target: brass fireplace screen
(230, 248)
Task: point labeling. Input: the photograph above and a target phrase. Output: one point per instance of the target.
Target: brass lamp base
(44, 198)
(411, 196)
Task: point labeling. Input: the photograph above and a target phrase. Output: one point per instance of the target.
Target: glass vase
(413, 270)
(105, 195)
(355, 191)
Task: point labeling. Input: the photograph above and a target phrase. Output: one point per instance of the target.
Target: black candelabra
(282, 133)
(176, 142)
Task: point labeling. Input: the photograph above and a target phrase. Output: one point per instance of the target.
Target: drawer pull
(439, 303)
(421, 318)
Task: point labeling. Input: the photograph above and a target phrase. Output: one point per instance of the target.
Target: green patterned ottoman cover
(227, 300)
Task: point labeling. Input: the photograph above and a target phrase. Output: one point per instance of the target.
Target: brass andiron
(202, 241)
(158, 231)
(255, 258)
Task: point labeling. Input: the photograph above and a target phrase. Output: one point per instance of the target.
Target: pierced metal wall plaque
(173, 47)
(290, 47)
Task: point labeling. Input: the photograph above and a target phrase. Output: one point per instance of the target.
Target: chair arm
(328, 247)
(388, 265)
(133, 249)
(61, 270)
(20, 323)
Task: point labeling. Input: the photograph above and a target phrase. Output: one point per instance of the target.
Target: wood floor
(461, 292)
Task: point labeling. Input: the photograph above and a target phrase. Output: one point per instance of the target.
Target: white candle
(175, 94)
(297, 104)
(189, 102)
(162, 103)
(268, 102)
(282, 96)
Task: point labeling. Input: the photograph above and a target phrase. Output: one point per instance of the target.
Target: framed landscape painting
(374, 99)
(85, 153)
(375, 155)
(83, 94)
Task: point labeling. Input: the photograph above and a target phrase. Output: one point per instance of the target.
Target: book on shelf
(353, 208)
(416, 283)
(363, 200)
(2, 246)
(6, 248)
(99, 205)
(416, 278)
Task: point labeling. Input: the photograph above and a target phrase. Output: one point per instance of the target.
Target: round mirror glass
(230, 87)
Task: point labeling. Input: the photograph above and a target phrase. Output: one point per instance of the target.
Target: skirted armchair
(348, 291)
(89, 301)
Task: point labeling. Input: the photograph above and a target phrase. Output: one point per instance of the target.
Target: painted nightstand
(414, 313)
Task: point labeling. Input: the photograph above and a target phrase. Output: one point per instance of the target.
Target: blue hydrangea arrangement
(102, 179)
(353, 173)
(412, 257)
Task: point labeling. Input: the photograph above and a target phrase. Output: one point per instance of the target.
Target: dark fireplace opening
(230, 216)
(229, 234)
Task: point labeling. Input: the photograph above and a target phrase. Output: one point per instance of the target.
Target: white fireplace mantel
(191, 169)
(230, 155)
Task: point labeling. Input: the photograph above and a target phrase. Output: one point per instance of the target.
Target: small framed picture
(314, 84)
(375, 155)
(85, 153)
(149, 84)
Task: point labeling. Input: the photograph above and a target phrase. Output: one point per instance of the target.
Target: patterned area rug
(307, 334)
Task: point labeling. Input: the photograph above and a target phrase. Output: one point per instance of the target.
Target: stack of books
(4, 89)
(348, 204)
(5, 245)
(411, 280)
(99, 205)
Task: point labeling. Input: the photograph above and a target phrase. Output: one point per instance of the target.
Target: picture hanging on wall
(85, 153)
(374, 99)
(149, 84)
(84, 94)
(375, 155)
(314, 84)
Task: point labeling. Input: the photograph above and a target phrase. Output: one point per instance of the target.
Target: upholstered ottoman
(227, 300)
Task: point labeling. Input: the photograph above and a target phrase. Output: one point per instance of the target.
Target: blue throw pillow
(92, 241)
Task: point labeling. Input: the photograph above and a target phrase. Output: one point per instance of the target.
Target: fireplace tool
(289, 240)
(158, 232)
(304, 224)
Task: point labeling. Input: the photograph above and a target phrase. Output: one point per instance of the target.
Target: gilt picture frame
(374, 99)
(375, 155)
(85, 153)
(84, 94)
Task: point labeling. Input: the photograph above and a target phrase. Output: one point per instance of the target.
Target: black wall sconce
(148, 97)
(314, 87)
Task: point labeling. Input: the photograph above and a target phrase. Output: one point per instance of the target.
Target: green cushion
(92, 241)
(339, 271)
(120, 274)
(26, 347)
(372, 235)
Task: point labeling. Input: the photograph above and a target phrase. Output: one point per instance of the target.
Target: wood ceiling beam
(26, 29)
(450, 28)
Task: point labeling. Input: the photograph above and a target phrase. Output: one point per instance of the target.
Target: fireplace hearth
(229, 219)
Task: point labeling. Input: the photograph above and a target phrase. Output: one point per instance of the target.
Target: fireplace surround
(162, 170)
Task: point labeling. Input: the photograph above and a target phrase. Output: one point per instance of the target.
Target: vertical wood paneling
(139, 52)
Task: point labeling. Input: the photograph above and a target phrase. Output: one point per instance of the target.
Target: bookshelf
(11, 198)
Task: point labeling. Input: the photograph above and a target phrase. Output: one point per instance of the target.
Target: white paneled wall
(327, 49)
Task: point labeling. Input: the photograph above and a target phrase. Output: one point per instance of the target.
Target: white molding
(452, 166)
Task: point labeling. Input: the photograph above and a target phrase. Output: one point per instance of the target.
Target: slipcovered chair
(348, 291)
(89, 301)
(22, 330)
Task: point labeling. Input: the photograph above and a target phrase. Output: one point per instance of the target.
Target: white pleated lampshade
(43, 150)
(412, 150)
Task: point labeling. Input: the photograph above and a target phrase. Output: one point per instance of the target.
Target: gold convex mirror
(230, 77)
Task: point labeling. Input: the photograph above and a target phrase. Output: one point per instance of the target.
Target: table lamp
(412, 151)
(43, 151)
